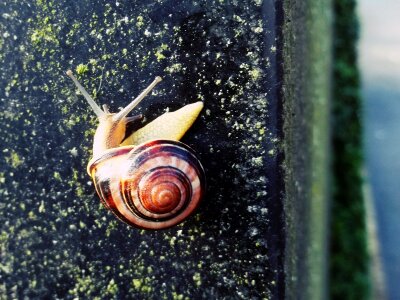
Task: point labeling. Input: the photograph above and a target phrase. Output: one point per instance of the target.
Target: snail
(147, 178)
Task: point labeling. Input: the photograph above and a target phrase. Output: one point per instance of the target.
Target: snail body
(147, 178)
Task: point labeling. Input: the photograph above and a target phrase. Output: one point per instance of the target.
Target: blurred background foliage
(349, 264)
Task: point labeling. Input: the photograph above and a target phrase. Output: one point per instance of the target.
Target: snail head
(112, 126)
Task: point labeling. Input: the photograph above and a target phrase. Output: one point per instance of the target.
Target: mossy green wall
(307, 50)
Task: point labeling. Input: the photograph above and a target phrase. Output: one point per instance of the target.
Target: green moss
(57, 176)
(14, 159)
(139, 21)
(82, 69)
(137, 283)
(143, 284)
(83, 285)
(42, 207)
(79, 191)
(197, 279)
(112, 288)
(43, 33)
(32, 216)
(158, 54)
(255, 74)
(176, 296)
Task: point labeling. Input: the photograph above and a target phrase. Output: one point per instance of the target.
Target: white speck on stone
(253, 231)
(257, 29)
(252, 208)
(74, 152)
(257, 161)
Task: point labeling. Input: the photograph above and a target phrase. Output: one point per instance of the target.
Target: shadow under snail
(147, 178)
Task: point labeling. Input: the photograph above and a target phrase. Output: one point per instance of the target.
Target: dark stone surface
(57, 241)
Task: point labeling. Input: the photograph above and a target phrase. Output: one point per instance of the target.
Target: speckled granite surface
(56, 239)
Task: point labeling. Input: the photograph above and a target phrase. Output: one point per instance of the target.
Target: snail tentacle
(97, 110)
(125, 111)
(106, 108)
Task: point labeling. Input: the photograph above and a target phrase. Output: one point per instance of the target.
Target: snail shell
(155, 185)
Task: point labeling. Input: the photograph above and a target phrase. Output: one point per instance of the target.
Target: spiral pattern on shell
(154, 185)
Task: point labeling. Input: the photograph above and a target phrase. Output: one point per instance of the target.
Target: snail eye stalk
(125, 111)
(97, 110)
